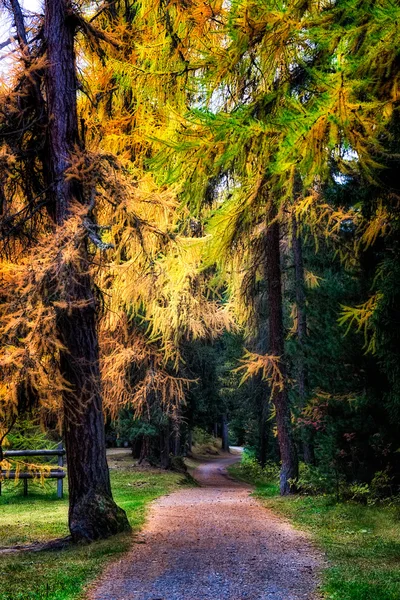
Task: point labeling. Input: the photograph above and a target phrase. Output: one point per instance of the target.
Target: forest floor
(362, 543)
(214, 541)
(41, 517)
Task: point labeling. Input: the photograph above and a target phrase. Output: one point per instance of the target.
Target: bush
(204, 442)
(250, 470)
(360, 492)
(318, 480)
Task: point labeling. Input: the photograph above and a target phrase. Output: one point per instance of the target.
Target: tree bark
(308, 448)
(165, 438)
(215, 430)
(225, 433)
(92, 512)
(190, 441)
(263, 428)
(176, 440)
(144, 449)
(289, 460)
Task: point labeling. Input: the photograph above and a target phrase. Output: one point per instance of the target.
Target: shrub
(204, 442)
(319, 480)
(250, 470)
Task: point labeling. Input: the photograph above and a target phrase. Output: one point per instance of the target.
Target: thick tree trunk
(289, 460)
(308, 448)
(225, 433)
(92, 511)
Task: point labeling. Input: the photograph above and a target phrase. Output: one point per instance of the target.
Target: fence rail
(55, 452)
(58, 473)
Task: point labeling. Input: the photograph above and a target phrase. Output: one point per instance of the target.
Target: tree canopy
(199, 212)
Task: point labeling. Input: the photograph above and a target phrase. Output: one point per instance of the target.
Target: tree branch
(20, 26)
(92, 230)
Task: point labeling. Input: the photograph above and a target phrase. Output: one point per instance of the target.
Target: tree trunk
(144, 449)
(92, 511)
(189, 442)
(215, 430)
(262, 428)
(165, 436)
(225, 433)
(176, 440)
(308, 448)
(289, 460)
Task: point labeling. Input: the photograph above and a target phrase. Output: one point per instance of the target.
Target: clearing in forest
(213, 542)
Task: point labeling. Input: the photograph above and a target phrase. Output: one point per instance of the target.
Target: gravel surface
(214, 542)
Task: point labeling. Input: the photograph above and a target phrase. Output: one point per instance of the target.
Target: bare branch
(7, 42)
(102, 8)
(92, 230)
(92, 32)
(20, 26)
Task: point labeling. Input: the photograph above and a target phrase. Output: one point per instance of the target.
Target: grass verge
(362, 543)
(62, 575)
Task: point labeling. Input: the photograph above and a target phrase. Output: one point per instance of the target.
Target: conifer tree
(53, 277)
(154, 294)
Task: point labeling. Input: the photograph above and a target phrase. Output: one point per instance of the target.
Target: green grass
(62, 575)
(362, 543)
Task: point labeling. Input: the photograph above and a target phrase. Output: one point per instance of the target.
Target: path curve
(214, 542)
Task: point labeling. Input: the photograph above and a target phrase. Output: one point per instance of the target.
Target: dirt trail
(214, 542)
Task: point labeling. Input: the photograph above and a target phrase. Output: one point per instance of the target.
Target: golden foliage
(265, 364)
(312, 281)
(361, 317)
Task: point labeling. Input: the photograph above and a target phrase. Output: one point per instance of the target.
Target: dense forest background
(199, 230)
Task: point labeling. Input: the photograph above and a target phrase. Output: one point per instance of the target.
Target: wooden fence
(58, 473)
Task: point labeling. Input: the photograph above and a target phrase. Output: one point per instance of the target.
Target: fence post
(60, 480)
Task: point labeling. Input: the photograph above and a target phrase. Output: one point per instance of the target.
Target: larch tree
(159, 298)
(284, 107)
(52, 274)
(93, 513)
(90, 168)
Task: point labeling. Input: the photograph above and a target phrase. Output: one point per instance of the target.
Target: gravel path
(213, 543)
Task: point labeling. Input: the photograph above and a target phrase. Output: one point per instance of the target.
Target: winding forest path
(213, 542)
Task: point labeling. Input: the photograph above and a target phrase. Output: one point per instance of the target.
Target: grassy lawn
(61, 575)
(362, 543)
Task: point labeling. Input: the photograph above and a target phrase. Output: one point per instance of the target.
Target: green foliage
(204, 442)
(314, 480)
(250, 470)
(28, 434)
(201, 437)
(128, 429)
